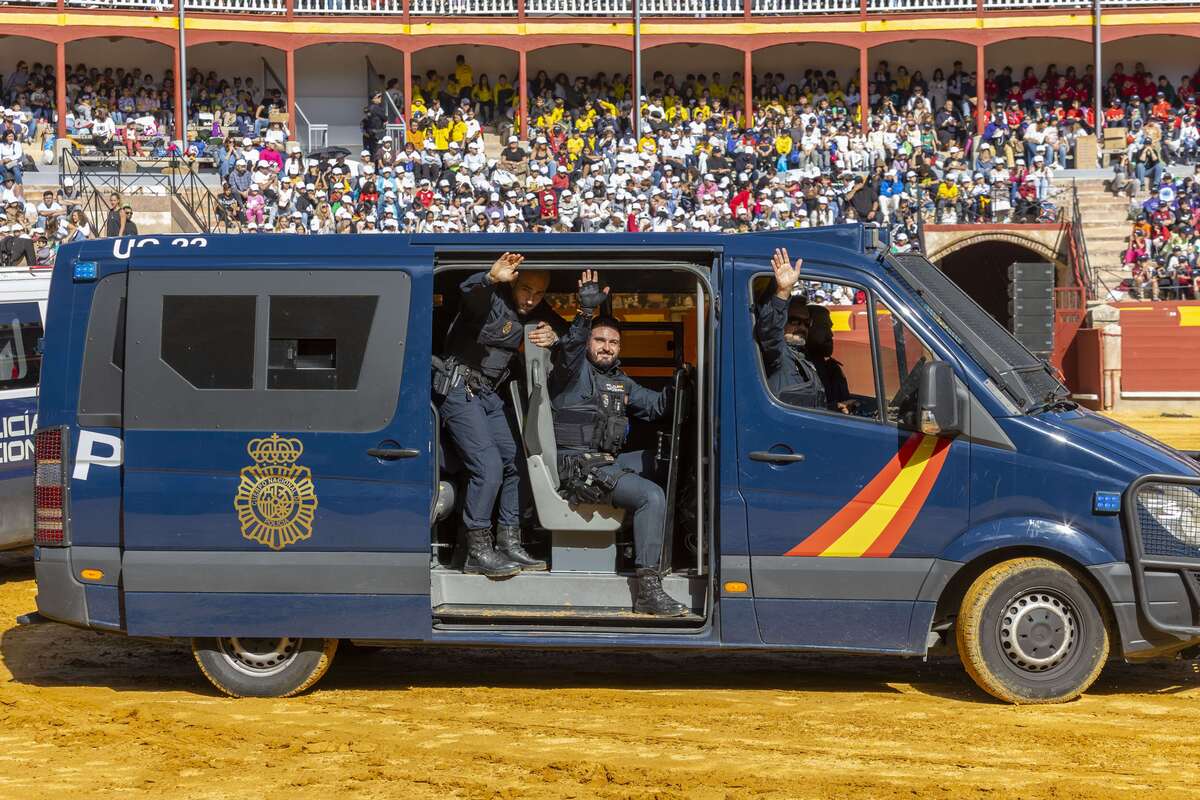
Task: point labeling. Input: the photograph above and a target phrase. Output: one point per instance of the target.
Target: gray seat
(537, 433)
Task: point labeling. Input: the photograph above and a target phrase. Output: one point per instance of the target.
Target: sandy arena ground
(86, 715)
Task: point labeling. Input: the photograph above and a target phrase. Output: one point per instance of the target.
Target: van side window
(20, 331)
(829, 323)
(209, 339)
(318, 342)
(900, 355)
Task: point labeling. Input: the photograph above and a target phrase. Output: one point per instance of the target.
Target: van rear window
(209, 339)
(20, 330)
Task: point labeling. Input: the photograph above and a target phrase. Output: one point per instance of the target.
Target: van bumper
(63, 597)
(1169, 599)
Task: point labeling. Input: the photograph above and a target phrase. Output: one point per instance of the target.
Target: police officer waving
(592, 400)
(781, 330)
(480, 347)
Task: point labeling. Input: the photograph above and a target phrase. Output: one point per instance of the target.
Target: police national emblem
(507, 327)
(275, 500)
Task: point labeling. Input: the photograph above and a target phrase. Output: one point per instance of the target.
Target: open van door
(278, 467)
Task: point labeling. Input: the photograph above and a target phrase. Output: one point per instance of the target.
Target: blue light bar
(1106, 503)
(85, 271)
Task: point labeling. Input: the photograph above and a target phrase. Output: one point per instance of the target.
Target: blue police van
(23, 294)
(236, 445)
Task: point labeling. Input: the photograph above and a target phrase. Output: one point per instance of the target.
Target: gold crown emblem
(274, 449)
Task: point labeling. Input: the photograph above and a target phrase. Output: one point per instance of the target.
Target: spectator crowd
(804, 159)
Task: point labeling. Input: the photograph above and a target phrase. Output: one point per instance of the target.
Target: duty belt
(475, 380)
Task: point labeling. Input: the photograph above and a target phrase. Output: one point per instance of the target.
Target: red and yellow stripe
(872, 524)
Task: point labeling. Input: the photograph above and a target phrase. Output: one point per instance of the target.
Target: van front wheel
(263, 666)
(1029, 632)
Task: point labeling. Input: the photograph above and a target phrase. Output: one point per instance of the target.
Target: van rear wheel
(1029, 632)
(263, 666)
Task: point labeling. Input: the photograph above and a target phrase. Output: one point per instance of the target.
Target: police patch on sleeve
(276, 501)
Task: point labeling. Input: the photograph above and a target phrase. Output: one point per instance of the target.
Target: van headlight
(1175, 508)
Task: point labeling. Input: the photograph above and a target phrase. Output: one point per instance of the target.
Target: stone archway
(1047, 242)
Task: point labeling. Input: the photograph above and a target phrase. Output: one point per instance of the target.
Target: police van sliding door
(278, 473)
(846, 507)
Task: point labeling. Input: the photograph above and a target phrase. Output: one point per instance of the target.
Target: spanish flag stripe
(887, 542)
(863, 533)
(836, 525)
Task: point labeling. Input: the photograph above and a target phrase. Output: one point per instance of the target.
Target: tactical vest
(806, 390)
(490, 347)
(599, 423)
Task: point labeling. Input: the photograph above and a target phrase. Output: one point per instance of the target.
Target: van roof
(225, 250)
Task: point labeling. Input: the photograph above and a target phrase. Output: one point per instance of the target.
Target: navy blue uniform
(485, 336)
(790, 375)
(575, 384)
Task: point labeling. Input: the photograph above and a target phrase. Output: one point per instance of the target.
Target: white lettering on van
(16, 442)
(196, 241)
(122, 248)
(110, 455)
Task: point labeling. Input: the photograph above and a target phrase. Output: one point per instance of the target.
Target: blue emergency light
(1106, 503)
(84, 271)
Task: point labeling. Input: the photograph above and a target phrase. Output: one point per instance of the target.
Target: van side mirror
(938, 410)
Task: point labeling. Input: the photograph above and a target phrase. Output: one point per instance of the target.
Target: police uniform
(790, 375)
(480, 347)
(592, 406)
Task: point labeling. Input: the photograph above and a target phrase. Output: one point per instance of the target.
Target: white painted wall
(331, 85)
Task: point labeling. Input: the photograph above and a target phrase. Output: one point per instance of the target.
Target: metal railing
(1077, 247)
(585, 8)
(99, 175)
(788, 8)
(197, 200)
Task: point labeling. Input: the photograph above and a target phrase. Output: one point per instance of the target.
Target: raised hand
(543, 335)
(505, 268)
(786, 276)
(591, 296)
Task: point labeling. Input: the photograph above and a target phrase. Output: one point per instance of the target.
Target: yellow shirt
(458, 131)
(647, 140)
(783, 144)
(464, 75)
(718, 91)
(575, 145)
(441, 136)
(418, 104)
(482, 95)
(417, 137)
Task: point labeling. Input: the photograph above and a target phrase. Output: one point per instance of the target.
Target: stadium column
(406, 95)
(523, 110)
(290, 77)
(864, 92)
(980, 90)
(748, 88)
(60, 86)
(180, 133)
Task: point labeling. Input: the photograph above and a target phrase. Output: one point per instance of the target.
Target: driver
(592, 399)
(819, 349)
(782, 331)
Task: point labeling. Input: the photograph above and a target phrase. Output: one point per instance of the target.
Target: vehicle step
(567, 615)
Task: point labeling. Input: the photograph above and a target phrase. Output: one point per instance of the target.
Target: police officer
(592, 400)
(781, 332)
(818, 347)
(480, 347)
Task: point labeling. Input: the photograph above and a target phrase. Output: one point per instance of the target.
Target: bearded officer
(480, 347)
(592, 400)
(781, 331)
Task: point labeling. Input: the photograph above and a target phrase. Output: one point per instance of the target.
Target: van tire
(263, 667)
(1029, 631)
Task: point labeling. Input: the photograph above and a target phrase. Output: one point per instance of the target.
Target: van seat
(537, 433)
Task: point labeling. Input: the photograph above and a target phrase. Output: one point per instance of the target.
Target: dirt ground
(90, 715)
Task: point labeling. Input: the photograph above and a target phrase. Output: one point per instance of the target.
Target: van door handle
(393, 453)
(776, 458)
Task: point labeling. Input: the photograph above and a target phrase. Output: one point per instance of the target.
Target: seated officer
(819, 349)
(781, 332)
(480, 347)
(592, 399)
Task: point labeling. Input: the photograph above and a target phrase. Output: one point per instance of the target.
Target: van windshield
(1027, 379)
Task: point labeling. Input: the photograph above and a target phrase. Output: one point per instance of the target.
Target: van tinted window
(251, 350)
(318, 342)
(20, 331)
(209, 339)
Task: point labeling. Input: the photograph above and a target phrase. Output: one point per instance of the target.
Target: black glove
(591, 296)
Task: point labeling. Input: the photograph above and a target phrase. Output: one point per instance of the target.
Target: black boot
(508, 544)
(651, 599)
(482, 559)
